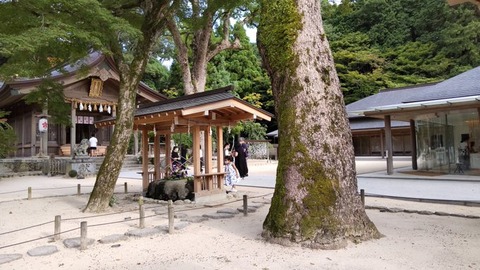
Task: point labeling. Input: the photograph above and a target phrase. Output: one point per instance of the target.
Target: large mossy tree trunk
(315, 203)
(130, 75)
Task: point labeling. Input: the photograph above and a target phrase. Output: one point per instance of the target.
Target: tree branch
(225, 43)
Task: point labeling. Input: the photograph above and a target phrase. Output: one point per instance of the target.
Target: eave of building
(407, 111)
(15, 90)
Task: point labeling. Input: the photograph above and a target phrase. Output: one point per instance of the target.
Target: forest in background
(377, 44)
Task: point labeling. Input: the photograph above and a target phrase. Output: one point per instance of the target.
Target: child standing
(231, 174)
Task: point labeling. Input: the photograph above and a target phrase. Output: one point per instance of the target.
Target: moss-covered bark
(130, 75)
(315, 201)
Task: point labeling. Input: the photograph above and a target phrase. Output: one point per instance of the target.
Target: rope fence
(141, 219)
(78, 187)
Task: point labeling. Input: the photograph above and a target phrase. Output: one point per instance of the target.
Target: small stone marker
(42, 251)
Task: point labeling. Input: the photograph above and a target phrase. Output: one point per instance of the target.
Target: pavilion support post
(33, 138)
(382, 145)
(168, 154)
(220, 152)
(413, 137)
(208, 151)
(145, 161)
(196, 157)
(135, 142)
(63, 135)
(44, 139)
(208, 154)
(73, 131)
(389, 144)
(156, 156)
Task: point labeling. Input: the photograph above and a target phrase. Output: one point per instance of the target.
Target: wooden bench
(208, 183)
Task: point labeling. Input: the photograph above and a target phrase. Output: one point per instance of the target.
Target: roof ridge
(408, 87)
(225, 89)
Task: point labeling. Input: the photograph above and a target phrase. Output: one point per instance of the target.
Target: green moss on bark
(280, 23)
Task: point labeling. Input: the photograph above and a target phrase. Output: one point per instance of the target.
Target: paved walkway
(371, 177)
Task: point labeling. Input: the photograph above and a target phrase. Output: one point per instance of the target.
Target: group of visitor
(235, 163)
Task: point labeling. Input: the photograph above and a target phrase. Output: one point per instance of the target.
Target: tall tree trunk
(202, 50)
(130, 76)
(315, 203)
(110, 169)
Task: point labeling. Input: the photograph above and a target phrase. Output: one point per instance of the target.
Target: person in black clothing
(183, 156)
(176, 165)
(241, 154)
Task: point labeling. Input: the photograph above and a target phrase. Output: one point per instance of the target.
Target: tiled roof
(194, 100)
(188, 101)
(463, 85)
(387, 97)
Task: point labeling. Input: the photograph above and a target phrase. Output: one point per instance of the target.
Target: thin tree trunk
(315, 203)
(194, 63)
(130, 76)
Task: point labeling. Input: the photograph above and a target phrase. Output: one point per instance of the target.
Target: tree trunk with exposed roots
(315, 203)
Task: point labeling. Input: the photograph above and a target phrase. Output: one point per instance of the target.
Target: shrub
(72, 173)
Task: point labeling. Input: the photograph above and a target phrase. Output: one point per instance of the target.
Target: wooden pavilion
(192, 114)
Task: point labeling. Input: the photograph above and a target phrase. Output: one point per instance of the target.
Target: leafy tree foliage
(7, 136)
(49, 95)
(157, 76)
(387, 43)
(47, 34)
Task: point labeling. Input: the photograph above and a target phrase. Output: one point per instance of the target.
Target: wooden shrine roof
(215, 107)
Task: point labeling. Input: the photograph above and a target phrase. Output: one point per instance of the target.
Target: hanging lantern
(43, 125)
(100, 109)
(89, 107)
(109, 109)
(81, 106)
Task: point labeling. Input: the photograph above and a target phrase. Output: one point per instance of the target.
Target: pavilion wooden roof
(218, 107)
